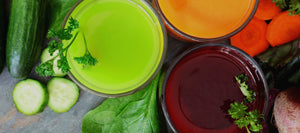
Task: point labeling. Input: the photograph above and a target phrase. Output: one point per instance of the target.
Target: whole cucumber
(2, 36)
(26, 32)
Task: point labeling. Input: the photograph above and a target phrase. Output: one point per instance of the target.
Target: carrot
(283, 28)
(252, 39)
(266, 10)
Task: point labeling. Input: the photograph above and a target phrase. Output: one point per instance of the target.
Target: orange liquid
(207, 18)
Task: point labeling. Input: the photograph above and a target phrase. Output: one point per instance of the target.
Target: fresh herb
(45, 69)
(252, 119)
(239, 113)
(57, 36)
(136, 113)
(281, 3)
(86, 58)
(247, 92)
(293, 6)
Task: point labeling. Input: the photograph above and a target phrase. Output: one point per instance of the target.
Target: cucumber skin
(2, 36)
(45, 102)
(25, 36)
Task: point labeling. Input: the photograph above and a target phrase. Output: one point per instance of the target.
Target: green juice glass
(126, 37)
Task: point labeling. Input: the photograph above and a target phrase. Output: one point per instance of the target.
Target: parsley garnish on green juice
(251, 120)
(57, 36)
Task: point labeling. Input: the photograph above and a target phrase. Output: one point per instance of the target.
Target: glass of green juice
(126, 37)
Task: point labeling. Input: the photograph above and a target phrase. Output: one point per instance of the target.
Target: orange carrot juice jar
(205, 20)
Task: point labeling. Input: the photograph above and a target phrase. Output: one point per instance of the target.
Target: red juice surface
(202, 86)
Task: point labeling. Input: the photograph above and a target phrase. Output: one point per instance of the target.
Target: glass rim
(192, 49)
(147, 81)
(198, 39)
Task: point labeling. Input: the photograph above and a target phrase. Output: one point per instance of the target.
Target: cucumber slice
(30, 97)
(63, 94)
(46, 56)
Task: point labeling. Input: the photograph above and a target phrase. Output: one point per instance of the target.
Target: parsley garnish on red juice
(251, 120)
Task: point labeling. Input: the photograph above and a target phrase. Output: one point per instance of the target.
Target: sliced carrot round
(283, 28)
(252, 39)
(266, 10)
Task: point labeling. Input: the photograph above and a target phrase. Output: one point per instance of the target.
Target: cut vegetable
(30, 97)
(252, 39)
(63, 94)
(283, 28)
(266, 10)
(46, 56)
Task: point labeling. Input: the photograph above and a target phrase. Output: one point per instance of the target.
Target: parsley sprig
(251, 120)
(86, 58)
(57, 36)
(247, 92)
(281, 3)
(293, 6)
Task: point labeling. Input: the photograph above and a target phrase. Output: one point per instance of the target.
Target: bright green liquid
(126, 39)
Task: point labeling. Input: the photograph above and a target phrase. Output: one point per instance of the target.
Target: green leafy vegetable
(281, 3)
(277, 57)
(46, 68)
(281, 65)
(57, 10)
(247, 92)
(289, 75)
(238, 111)
(87, 57)
(293, 6)
(136, 113)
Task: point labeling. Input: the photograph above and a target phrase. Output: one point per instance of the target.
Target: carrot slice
(283, 28)
(266, 10)
(252, 39)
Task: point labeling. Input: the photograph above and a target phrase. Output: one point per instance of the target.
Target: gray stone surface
(11, 121)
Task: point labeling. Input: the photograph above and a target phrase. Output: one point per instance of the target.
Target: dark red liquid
(202, 86)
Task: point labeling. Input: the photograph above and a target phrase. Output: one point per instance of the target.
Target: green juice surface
(124, 36)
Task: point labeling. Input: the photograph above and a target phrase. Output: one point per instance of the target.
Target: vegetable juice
(125, 37)
(202, 85)
(206, 18)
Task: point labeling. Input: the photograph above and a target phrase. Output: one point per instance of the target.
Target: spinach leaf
(57, 10)
(136, 113)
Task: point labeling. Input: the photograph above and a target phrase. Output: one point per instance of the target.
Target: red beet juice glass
(200, 85)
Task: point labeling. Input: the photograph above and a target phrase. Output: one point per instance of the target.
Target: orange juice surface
(207, 18)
